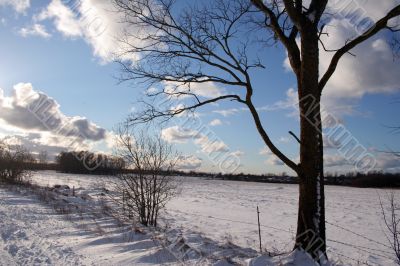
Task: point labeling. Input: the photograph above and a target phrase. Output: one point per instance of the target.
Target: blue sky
(46, 48)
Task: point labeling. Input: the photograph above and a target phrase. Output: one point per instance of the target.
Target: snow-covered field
(220, 212)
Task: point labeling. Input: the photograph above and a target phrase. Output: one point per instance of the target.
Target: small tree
(145, 188)
(13, 162)
(392, 222)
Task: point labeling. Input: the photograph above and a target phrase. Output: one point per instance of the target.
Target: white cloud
(208, 143)
(19, 6)
(103, 29)
(151, 91)
(273, 160)
(387, 161)
(34, 120)
(190, 162)
(286, 64)
(210, 146)
(96, 21)
(290, 103)
(64, 18)
(237, 153)
(330, 143)
(206, 90)
(227, 112)
(35, 30)
(53, 144)
(284, 139)
(111, 139)
(335, 160)
(265, 151)
(176, 134)
(356, 10)
(356, 76)
(215, 122)
(33, 111)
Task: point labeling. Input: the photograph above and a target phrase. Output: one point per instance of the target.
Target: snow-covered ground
(227, 210)
(220, 212)
(33, 234)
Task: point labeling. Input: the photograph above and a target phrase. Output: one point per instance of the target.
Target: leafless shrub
(391, 216)
(144, 189)
(13, 162)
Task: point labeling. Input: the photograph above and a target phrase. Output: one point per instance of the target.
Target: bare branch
(268, 141)
(142, 190)
(288, 42)
(295, 137)
(392, 222)
(373, 30)
(151, 112)
(202, 44)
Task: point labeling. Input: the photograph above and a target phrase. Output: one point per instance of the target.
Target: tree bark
(311, 216)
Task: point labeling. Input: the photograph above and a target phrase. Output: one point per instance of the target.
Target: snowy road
(33, 234)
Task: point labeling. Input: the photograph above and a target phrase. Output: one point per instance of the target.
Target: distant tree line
(85, 162)
(16, 162)
(371, 179)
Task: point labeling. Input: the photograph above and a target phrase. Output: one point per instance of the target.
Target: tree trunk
(311, 216)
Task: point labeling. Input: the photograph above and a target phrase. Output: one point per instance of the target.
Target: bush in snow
(13, 162)
(145, 188)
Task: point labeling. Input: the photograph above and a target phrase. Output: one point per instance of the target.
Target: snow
(294, 258)
(317, 220)
(227, 210)
(214, 217)
(32, 234)
(28, 236)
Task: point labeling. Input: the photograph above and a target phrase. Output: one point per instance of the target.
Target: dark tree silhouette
(210, 42)
(13, 162)
(85, 162)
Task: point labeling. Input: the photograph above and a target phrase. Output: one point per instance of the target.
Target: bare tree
(42, 157)
(144, 188)
(210, 42)
(13, 163)
(392, 222)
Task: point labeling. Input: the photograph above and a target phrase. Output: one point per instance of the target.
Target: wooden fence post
(259, 229)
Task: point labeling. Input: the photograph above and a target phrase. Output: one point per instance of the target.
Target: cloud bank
(20, 6)
(39, 120)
